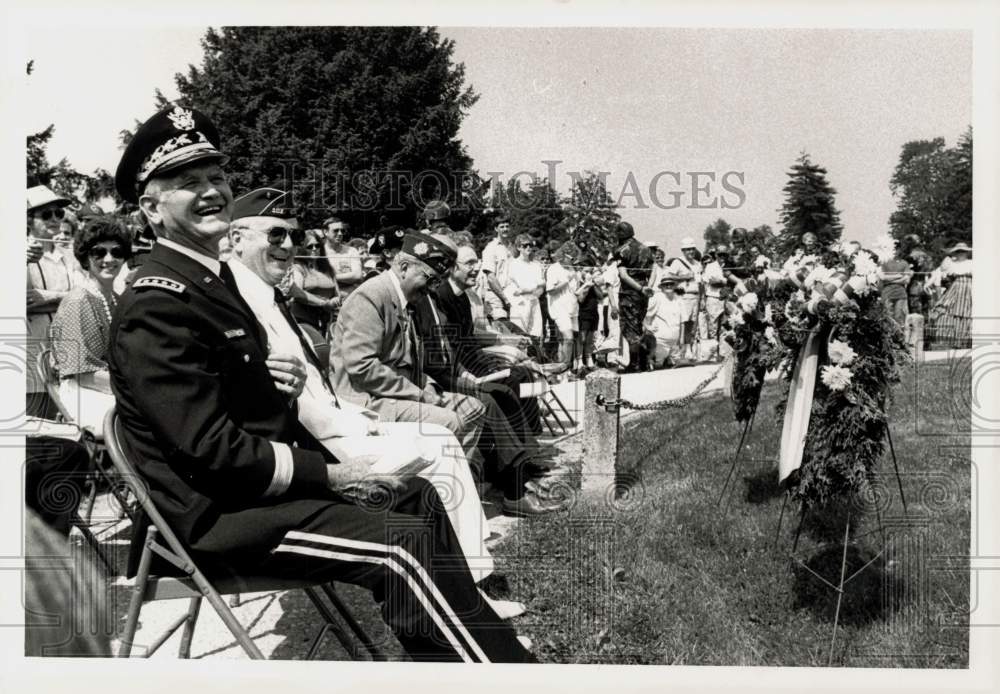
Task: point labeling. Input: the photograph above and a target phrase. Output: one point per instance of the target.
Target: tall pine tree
(363, 120)
(809, 207)
(591, 215)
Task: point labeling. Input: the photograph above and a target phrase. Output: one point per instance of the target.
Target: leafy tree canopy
(361, 120)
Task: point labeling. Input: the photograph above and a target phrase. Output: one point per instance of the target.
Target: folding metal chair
(194, 585)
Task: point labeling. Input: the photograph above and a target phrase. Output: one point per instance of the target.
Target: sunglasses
(99, 252)
(528, 245)
(46, 215)
(277, 235)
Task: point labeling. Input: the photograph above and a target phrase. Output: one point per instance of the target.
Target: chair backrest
(47, 373)
(116, 449)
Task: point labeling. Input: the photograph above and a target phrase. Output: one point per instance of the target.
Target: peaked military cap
(264, 202)
(89, 211)
(438, 256)
(172, 138)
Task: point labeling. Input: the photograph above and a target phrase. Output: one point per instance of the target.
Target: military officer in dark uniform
(207, 418)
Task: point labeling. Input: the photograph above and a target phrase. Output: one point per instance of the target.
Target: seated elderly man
(454, 358)
(375, 352)
(218, 442)
(264, 236)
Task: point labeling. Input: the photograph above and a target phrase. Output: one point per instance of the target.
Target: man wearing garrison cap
(375, 353)
(208, 415)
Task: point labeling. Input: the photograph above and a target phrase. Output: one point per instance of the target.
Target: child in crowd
(590, 295)
(663, 319)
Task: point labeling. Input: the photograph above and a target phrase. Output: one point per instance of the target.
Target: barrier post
(600, 430)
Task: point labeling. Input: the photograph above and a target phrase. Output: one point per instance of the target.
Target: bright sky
(617, 100)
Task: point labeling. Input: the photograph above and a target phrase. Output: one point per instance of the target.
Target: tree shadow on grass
(868, 596)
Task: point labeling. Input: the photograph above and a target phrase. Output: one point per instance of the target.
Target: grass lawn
(666, 577)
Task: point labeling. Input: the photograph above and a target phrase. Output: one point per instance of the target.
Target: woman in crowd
(525, 285)
(688, 270)
(951, 317)
(564, 309)
(314, 291)
(81, 329)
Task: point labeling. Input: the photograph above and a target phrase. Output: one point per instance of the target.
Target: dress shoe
(528, 505)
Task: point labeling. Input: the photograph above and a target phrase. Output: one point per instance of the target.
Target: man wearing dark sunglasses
(50, 277)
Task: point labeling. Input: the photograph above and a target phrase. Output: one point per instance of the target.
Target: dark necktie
(282, 301)
(226, 275)
(416, 353)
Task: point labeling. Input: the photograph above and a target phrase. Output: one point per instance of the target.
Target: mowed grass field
(667, 576)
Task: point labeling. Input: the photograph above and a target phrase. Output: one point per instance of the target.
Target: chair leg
(138, 596)
(345, 614)
(95, 546)
(545, 419)
(188, 634)
(331, 625)
(569, 417)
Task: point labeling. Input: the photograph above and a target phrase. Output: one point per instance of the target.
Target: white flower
(748, 302)
(768, 314)
(770, 336)
(736, 319)
(799, 296)
(865, 266)
(819, 274)
(835, 377)
(841, 353)
(762, 261)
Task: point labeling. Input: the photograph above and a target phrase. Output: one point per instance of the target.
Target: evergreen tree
(933, 187)
(590, 216)
(809, 207)
(533, 209)
(363, 120)
(718, 233)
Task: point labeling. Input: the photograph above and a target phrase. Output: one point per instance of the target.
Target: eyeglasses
(48, 214)
(528, 245)
(277, 235)
(99, 252)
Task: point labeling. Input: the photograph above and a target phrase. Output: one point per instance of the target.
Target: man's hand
(355, 480)
(34, 296)
(35, 251)
(288, 372)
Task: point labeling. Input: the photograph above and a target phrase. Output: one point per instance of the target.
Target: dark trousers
(407, 554)
(55, 472)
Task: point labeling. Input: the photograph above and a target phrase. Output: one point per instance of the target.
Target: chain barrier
(614, 405)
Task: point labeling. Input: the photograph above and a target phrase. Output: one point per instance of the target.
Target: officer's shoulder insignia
(159, 283)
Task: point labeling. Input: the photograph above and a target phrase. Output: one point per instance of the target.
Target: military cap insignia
(236, 332)
(182, 118)
(159, 283)
(420, 249)
(399, 233)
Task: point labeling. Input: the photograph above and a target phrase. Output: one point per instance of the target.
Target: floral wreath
(826, 331)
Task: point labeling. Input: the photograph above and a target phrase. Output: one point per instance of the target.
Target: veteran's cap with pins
(438, 256)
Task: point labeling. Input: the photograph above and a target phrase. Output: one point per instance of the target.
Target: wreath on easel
(827, 332)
